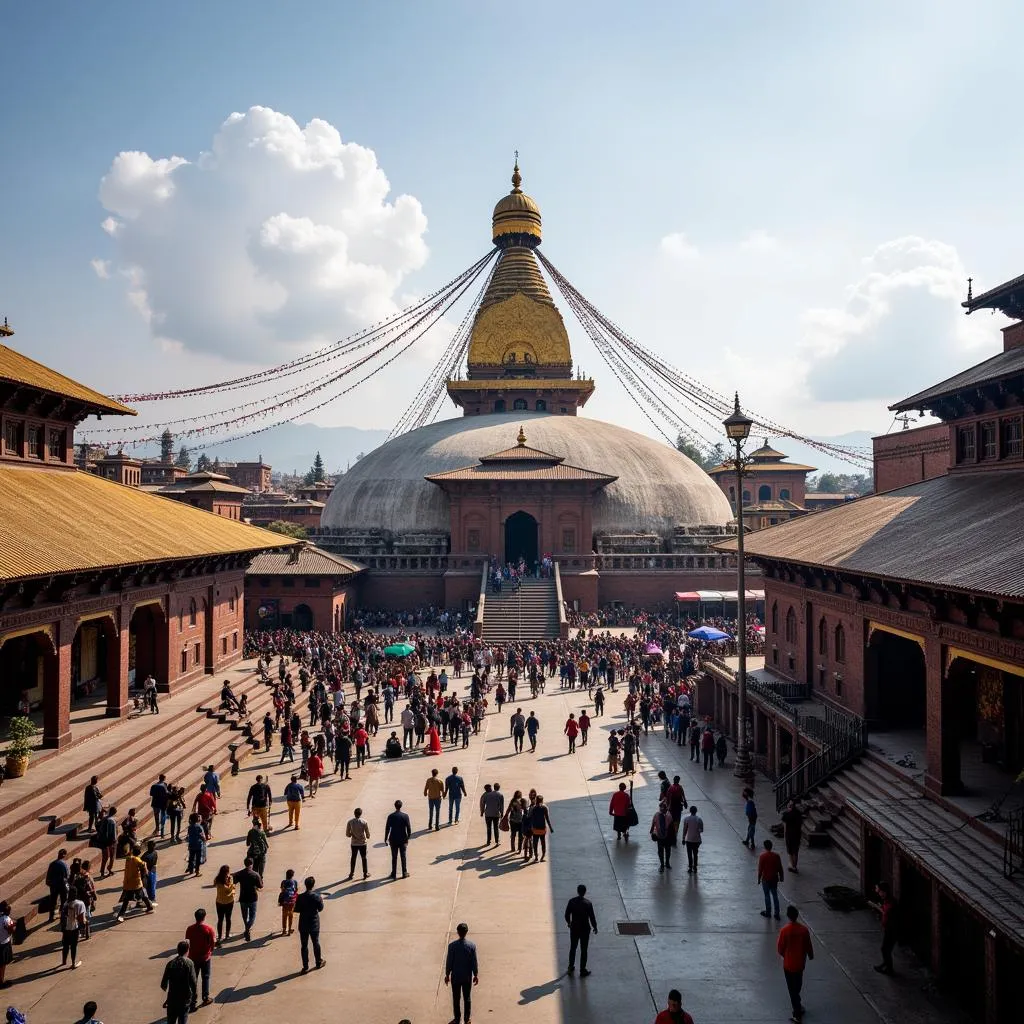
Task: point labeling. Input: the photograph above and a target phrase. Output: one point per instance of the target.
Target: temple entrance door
(895, 682)
(302, 617)
(521, 532)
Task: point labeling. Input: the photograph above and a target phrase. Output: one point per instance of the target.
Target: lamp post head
(737, 426)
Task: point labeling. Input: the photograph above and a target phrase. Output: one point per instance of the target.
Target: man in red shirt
(584, 726)
(362, 738)
(205, 805)
(794, 946)
(201, 940)
(674, 1012)
(572, 730)
(769, 874)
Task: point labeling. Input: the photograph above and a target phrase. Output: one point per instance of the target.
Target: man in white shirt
(692, 828)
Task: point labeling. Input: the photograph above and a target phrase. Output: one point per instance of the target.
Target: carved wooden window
(55, 444)
(473, 540)
(198, 651)
(35, 442)
(965, 444)
(775, 617)
(1012, 447)
(192, 612)
(12, 437)
(791, 626)
(746, 497)
(989, 441)
(823, 637)
(569, 540)
(764, 493)
(232, 597)
(840, 644)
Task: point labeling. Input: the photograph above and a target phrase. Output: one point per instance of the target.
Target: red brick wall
(910, 456)
(653, 588)
(399, 590)
(795, 483)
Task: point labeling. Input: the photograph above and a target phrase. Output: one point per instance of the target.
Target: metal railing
(1013, 844)
(478, 623)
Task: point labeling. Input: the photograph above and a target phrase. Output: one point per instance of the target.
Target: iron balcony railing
(1013, 844)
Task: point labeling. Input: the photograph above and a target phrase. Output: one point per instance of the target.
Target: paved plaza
(385, 941)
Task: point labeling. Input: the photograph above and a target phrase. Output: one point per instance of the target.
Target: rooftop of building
(959, 532)
(765, 459)
(205, 481)
(76, 521)
(996, 369)
(20, 370)
(304, 560)
(1007, 297)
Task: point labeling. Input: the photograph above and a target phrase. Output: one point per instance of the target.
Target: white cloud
(101, 267)
(901, 325)
(679, 248)
(759, 241)
(277, 235)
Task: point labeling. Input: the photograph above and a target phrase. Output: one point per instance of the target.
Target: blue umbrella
(708, 633)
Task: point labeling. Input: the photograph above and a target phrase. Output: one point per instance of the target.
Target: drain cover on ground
(633, 928)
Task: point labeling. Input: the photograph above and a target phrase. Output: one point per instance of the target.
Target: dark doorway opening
(895, 695)
(147, 645)
(302, 617)
(24, 661)
(521, 538)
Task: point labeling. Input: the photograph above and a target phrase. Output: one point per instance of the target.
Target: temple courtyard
(384, 941)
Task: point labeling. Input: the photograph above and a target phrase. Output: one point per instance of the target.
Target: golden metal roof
(19, 369)
(514, 384)
(57, 521)
(516, 214)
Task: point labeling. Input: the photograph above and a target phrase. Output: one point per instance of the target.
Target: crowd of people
(331, 696)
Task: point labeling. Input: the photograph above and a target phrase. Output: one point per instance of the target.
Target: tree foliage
(203, 463)
(184, 460)
(841, 483)
(316, 472)
(714, 456)
(288, 529)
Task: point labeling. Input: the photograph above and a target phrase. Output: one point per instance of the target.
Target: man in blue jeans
(249, 884)
(159, 797)
(433, 791)
(455, 790)
(769, 874)
(461, 972)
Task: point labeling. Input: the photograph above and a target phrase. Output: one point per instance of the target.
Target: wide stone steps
(529, 614)
(179, 745)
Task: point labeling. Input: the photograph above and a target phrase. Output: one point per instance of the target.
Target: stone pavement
(384, 941)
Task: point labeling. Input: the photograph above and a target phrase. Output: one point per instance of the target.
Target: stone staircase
(531, 613)
(179, 744)
(831, 804)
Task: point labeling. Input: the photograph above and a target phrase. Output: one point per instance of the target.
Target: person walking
(629, 753)
(358, 832)
(89, 1011)
(794, 946)
(132, 884)
(57, 876)
(750, 812)
(579, 916)
(492, 807)
(72, 920)
(693, 830)
(159, 797)
(224, 885)
(663, 832)
(294, 795)
(618, 808)
(195, 841)
(257, 846)
(433, 790)
(695, 735)
(532, 728)
(584, 723)
(707, 748)
(462, 972)
(598, 702)
(258, 802)
(793, 829)
(179, 982)
(249, 883)
(572, 730)
(397, 832)
(455, 790)
(7, 930)
(343, 754)
(769, 874)
(286, 897)
(517, 729)
(92, 802)
(674, 1012)
(201, 939)
(890, 911)
(540, 825)
(309, 906)
(676, 796)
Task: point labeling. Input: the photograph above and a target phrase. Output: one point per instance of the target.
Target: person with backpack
(7, 929)
(540, 825)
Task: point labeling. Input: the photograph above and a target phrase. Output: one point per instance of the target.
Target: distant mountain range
(293, 446)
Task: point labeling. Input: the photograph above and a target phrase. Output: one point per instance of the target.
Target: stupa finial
(521, 439)
(517, 178)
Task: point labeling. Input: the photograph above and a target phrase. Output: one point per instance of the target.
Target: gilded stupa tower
(519, 356)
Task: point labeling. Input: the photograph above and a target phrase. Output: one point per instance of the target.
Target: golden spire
(517, 178)
(521, 439)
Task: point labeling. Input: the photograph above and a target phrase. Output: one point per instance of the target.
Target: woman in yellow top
(225, 886)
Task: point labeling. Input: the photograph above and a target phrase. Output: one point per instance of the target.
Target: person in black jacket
(308, 906)
(397, 832)
(579, 916)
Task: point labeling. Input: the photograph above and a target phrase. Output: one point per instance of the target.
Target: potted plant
(20, 733)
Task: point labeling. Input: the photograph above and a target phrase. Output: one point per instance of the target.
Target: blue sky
(783, 198)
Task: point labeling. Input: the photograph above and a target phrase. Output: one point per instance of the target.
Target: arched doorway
(94, 652)
(147, 636)
(895, 693)
(24, 663)
(521, 538)
(302, 617)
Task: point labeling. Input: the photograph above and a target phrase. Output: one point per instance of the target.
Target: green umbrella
(400, 650)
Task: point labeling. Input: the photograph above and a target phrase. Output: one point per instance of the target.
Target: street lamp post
(737, 429)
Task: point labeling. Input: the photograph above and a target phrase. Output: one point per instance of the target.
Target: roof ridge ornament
(521, 439)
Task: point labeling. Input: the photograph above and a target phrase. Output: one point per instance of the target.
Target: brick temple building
(900, 617)
(102, 583)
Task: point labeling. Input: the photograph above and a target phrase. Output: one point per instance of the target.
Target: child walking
(286, 901)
